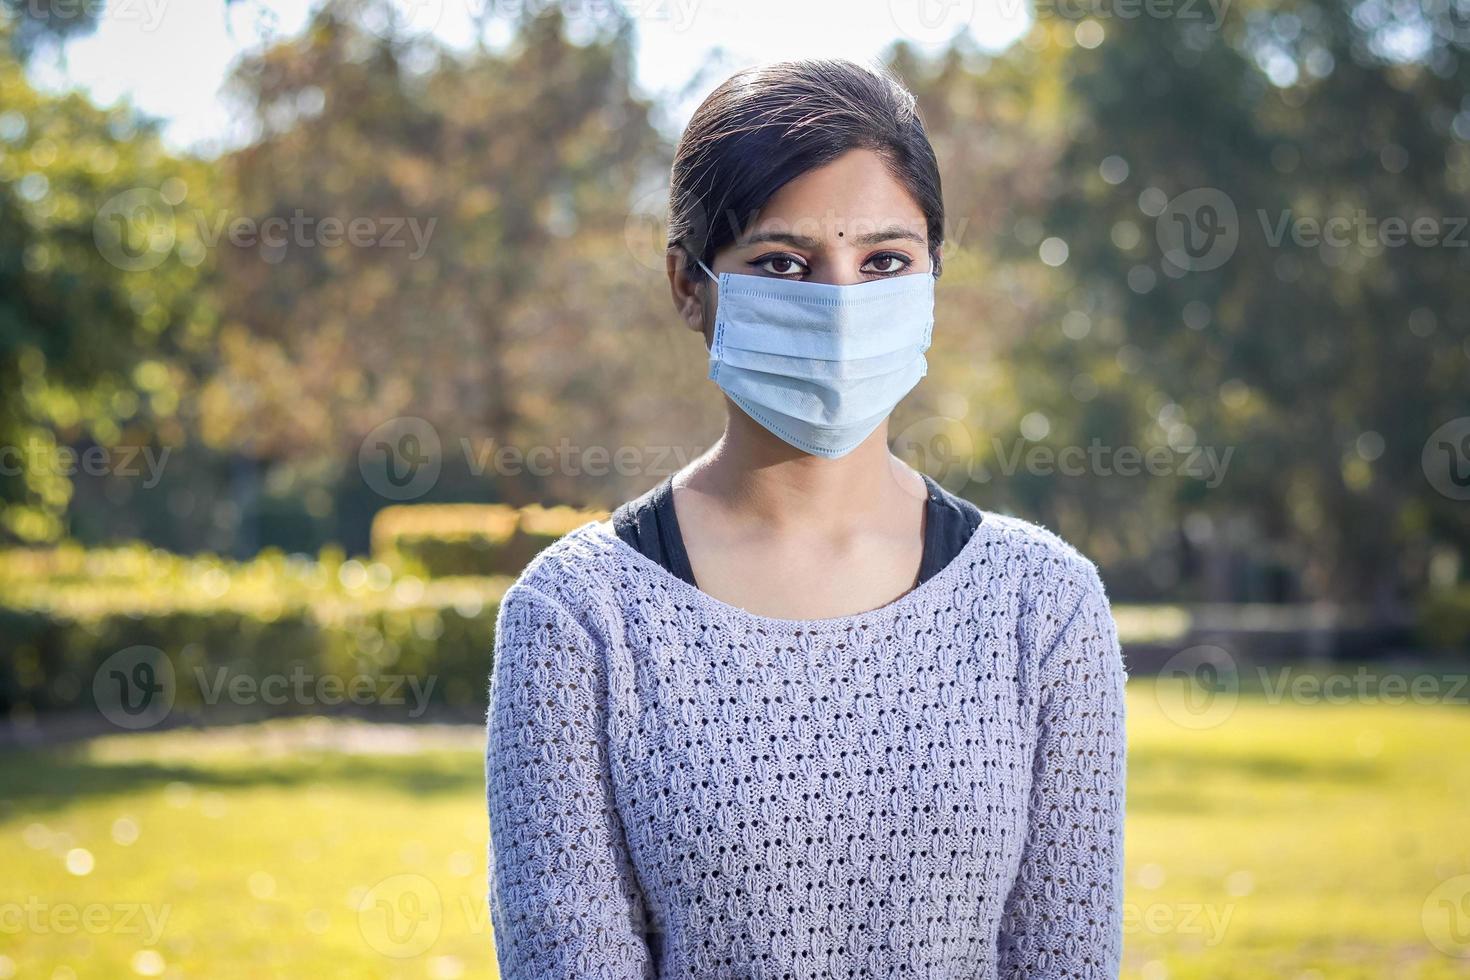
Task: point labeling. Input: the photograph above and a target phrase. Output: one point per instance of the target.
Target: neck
(753, 476)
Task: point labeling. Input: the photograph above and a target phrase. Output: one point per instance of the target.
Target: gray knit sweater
(682, 789)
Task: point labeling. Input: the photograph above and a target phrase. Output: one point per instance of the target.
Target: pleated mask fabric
(820, 365)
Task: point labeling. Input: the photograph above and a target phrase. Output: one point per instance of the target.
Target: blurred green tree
(26, 25)
(100, 312)
(1323, 367)
(505, 175)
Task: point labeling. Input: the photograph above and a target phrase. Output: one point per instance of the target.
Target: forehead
(853, 194)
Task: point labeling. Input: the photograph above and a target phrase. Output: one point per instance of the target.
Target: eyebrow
(889, 234)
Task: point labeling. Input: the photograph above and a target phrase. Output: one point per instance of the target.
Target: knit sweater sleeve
(564, 900)
(1063, 917)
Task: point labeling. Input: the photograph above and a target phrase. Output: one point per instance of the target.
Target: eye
(784, 265)
(887, 264)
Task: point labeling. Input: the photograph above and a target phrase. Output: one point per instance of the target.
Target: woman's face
(848, 222)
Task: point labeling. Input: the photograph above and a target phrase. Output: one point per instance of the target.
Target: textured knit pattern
(932, 789)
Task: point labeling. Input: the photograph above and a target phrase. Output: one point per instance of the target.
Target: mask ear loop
(717, 341)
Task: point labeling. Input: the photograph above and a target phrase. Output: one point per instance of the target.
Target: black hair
(768, 125)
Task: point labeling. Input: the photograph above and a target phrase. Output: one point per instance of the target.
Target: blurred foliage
(523, 306)
(1325, 368)
(66, 610)
(26, 25)
(1321, 372)
(424, 608)
(469, 539)
(97, 341)
(1444, 618)
(514, 169)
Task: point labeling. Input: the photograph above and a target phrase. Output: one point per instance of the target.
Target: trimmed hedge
(437, 540)
(1444, 618)
(411, 618)
(279, 621)
(421, 613)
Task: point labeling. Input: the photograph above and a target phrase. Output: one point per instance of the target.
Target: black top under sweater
(648, 525)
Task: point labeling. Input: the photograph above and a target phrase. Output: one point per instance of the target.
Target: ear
(938, 260)
(687, 289)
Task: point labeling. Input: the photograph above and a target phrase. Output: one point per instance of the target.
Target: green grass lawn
(1281, 841)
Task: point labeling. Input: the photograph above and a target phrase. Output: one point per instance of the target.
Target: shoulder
(1064, 621)
(548, 663)
(573, 578)
(1052, 577)
(1034, 545)
(581, 554)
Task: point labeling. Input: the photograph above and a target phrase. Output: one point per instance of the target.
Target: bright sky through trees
(171, 56)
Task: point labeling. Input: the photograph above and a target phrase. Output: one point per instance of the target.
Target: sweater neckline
(939, 582)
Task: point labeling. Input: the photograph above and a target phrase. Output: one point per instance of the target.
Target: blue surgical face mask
(820, 366)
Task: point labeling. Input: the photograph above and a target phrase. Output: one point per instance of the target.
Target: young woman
(799, 712)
